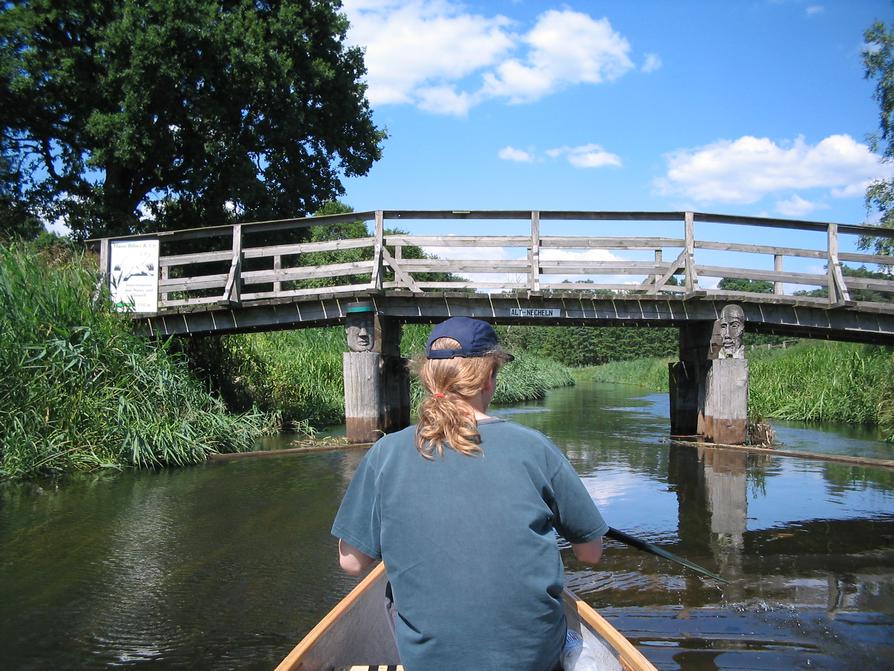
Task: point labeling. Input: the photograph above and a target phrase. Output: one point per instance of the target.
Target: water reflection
(226, 566)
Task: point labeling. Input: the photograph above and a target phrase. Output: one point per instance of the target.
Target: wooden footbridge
(547, 268)
(623, 268)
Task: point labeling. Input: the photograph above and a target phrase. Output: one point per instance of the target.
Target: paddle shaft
(632, 541)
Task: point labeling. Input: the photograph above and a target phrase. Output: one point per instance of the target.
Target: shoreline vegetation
(812, 381)
(80, 391)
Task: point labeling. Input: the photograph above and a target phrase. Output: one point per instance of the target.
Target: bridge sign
(133, 275)
(535, 312)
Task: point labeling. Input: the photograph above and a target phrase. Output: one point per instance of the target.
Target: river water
(226, 566)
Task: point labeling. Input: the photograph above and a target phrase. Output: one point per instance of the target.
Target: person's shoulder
(521, 434)
(396, 441)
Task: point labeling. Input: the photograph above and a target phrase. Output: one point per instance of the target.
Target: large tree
(127, 115)
(878, 59)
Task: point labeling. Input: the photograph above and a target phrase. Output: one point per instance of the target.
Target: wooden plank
(292, 661)
(561, 215)
(777, 268)
(448, 241)
(534, 254)
(769, 275)
(231, 290)
(193, 283)
(465, 265)
(404, 279)
(306, 247)
(316, 292)
(632, 658)
(198, 257)
(760, 249)
(593, 268)
(183, 302)
(869, 283)
(378, 246)
(507, 286)
(877, 307)
(879, 259)
(662, 281)
(307, 272)
(596, 286)
(580, 242)
(691, 270)
(798, 224)
(818, 456)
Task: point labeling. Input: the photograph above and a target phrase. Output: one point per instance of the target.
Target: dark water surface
(226, 566)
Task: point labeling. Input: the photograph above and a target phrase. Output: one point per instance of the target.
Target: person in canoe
(463, 509)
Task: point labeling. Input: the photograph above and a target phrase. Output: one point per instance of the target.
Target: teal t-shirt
(470, 547)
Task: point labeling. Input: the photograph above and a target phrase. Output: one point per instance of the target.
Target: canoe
(356, 636)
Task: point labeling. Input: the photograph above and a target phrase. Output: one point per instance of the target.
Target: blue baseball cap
(475, 337)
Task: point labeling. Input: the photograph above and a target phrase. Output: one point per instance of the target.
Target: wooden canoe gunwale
(629, 657)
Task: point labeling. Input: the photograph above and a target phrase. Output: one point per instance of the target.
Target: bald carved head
(732, 328)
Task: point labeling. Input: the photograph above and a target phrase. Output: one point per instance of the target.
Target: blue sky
(753, 107)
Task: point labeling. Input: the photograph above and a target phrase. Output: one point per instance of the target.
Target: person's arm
(352, 560)
(590, 552)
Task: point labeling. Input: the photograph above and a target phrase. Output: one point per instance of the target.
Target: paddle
(655, 550)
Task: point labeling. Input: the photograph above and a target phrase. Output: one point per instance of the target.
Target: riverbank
(811, 381)
(298, 374)
(80, 391)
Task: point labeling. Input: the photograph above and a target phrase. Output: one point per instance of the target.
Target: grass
(651, 373)
(298, 374)
(812, 381)
(79, 391)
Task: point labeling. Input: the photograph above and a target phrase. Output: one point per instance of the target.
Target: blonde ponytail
(445, 417)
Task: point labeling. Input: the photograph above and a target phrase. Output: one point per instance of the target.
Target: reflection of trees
(231, 560)
(845, 477)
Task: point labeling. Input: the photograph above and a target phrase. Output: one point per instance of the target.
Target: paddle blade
(632, 541)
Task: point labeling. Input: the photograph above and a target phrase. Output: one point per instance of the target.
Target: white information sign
(535, 312)
(133, 275)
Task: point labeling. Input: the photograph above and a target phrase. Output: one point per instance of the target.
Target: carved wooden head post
(360, 329)
(732, 328)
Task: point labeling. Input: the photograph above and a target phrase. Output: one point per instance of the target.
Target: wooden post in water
(687, 377)
(726, 402)
(726, 383)
(377, 390)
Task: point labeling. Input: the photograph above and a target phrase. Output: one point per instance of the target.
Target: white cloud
(652, 63)
(510, 153)
(566, 48)
(796, 206)
(813, 10)
(437, 56)
(421, 43)
(586, 156)
(747, 169)
(445, 100)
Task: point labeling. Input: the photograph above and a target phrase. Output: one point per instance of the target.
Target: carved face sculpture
(732, 326)
(360, 332)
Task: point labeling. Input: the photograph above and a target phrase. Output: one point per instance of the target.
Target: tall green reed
(78, 390)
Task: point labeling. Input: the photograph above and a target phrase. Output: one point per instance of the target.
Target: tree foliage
(129, 115)
(754, 286)
(878, 60)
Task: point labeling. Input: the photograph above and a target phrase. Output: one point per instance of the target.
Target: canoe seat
(373, 667)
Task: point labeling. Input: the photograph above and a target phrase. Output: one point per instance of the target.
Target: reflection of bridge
(278, 274)
(267, 275)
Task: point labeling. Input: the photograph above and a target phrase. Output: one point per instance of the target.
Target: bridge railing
(279, 260)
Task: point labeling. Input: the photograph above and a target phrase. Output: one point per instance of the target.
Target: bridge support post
(726, 402)
(377, 388)
(687, 378)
